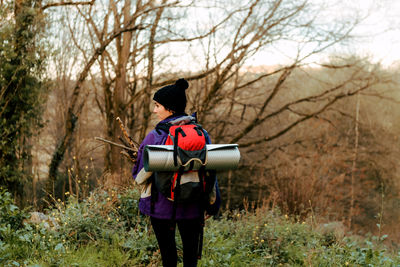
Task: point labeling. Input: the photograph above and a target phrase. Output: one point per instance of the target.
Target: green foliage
(107, 230)
(11, 217)
(21, 87)
(103, 230)
(11, 223)
(10, 213)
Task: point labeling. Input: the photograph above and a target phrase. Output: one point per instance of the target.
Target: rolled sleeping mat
(219, 157)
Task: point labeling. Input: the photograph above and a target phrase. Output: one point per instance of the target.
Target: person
(169, 105)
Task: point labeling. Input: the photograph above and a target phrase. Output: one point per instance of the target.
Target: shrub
(106, 230)
(10, 214)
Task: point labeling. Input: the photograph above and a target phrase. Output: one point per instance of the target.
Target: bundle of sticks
(129, 146)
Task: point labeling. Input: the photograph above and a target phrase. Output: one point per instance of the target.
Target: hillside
(105, 229)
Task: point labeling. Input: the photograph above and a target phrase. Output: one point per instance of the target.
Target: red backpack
(191, 183)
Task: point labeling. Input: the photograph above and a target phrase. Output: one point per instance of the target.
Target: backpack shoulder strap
(163, 127)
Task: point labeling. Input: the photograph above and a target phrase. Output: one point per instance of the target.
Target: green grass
(107, 230)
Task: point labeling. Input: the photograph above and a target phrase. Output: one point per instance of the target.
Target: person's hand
(131, 156)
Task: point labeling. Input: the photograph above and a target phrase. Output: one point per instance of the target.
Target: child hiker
(169, 106)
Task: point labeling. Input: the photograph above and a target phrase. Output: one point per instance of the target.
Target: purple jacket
(163, 206)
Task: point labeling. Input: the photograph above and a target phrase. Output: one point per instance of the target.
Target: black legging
(165, 234)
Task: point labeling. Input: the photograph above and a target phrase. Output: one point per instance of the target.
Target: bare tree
(127, 66)
(76, 103)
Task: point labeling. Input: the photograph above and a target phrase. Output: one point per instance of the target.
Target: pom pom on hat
(173, 97)
(182, 84)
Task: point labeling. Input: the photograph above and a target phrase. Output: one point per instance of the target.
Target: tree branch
(304, 118)
(68, 4)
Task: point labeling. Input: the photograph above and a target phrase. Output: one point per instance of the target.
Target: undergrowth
(106, 229)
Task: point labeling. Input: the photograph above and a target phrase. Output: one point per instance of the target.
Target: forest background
(315, 122)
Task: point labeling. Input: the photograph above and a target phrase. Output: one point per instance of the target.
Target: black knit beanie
(173, 96)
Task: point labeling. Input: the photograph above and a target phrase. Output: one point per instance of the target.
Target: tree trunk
(123, 44)
(354, 164)
(74, 109)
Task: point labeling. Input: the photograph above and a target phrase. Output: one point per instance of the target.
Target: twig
(114, 144)
(131, 142)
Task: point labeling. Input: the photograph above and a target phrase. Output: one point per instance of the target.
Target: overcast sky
(377, 36)
(384, 25)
